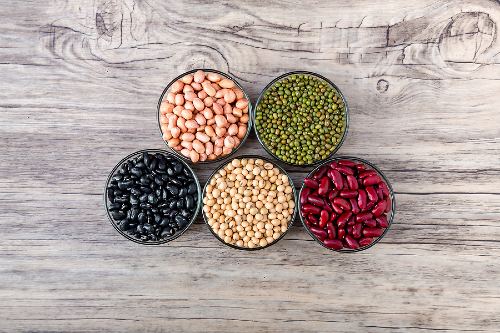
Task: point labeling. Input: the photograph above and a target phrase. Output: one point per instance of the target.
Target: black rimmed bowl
(390, 215)
(328, 82)
(118, 223)
(292, 217)
(227, 76)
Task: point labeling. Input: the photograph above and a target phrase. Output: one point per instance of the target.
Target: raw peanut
(187, 136)
(176, 132)
(207, 113)
(198, 104)
(187, 88)
(199, 76)
(189, 106)
(211, 121)
(244, 119)
(226, 83)
(212, 156)
(218, 151)
(229, 142)
(238, 92)
(179, 99)
(231, 118)
(241, 103)
(187, 79)
(214, 77)
(236, 141)
(201, 128)
(219, 142)
(166, 107)
(237, 112)
(220, 93)
(195, 157)
(167, 136)
(242, 131)
(232, 130)
(198, 146)
(185, 152)
(202, 137)
(177, 86)
(226, 150)
(196, 86)
(229, 96)
(173, 142)
(220, 131)
(216, 86)
(221, 121)
(181, 123)
(203, 157)
(171, 98)
(217, 109)
(177, 110)
(208, 101)
(209, 148)
(200, 119)
(209, 90)
(221, 101)
(228, 109)
(202, 94)
(187, 144)
(172, 120)
(189, 96)
(192, 124)
(163, 120)
(186, 114)
(209, 131)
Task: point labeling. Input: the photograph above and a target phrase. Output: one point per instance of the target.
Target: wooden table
(79, 85)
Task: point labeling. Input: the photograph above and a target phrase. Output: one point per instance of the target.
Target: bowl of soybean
(301, 118)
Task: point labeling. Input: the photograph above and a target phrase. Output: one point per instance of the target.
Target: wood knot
(382, 86)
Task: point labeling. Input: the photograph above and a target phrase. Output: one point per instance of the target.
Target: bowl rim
(129, 157)
(328, 81)
(249, 124)
(295, 198)
(391, 194)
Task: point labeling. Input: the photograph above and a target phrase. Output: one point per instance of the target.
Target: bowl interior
(249, 124)
(390, 214)
(114, 172)
(327, 81)
(292, 218)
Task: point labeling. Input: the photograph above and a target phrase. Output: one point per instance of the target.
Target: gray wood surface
(79, 83)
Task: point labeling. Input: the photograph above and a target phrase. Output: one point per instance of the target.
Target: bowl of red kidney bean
(346, 204)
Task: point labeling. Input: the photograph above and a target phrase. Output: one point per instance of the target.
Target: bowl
(116, 170)
(292, 218)
(390, 215)
(331, 84)
(227, 76)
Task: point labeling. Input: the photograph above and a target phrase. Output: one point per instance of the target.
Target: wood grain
(79, 85)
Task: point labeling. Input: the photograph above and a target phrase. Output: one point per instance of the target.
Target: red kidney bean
(367, 173)
(342, 203)
(348, 193)
(312, 219)
(348, 163)
(321, 172)
(351, 242)
(363, 216)
(323, 218)
(327, 206)
(336, 178)
(316, 201)
(310, 209)
(311, 183)
(382, 221)
(354, 205)
(304, 195)
(344, 169)
(380, 193)
(370, 205)
(324, 186)
(372, 194)
(356, 230)
(342, 220)
(365, 241)
(349, 229)
(360, 167)
(341, 233)
(330, 229)
(388, 205)
(337, 209)
(318, 232)
(362, 199)
(379, 208)
(372, 232)
(371, 180)
(370, 223)
(332, 195)
(333, 244)
(333, 216)
(352, 182)
(351, 221)
(333, 164)
(384, 188)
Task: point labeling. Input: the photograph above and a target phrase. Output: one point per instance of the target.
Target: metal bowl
(249, 124)
(292, 218)
(107, 202)
(391, 194)
(270, 84)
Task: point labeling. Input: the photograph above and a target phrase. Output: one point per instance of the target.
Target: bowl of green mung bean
(301, 118)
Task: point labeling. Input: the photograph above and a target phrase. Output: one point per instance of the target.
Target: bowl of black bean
(152, 197)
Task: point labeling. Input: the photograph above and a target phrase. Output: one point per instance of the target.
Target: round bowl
(390, 214)
(270, 84)
(107, 201)
(249, 124)
(289, 223)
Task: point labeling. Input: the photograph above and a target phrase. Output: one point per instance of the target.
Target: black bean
(182, 192)
(192, 188)
(175, 182)
(146, 190)
(145, 205)
(189, 202)
(114, 206)
(174, 190)
(181, 221)
(136, 172)
(134, 200)
(141, 217)
(124, 184)
(117, 215)
(152, 199)
(143, 198)
(164, 222)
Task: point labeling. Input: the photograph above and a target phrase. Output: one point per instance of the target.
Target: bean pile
(204, 116)
(249, 203)
(152, 197)
(301, 119)
(345, 204)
